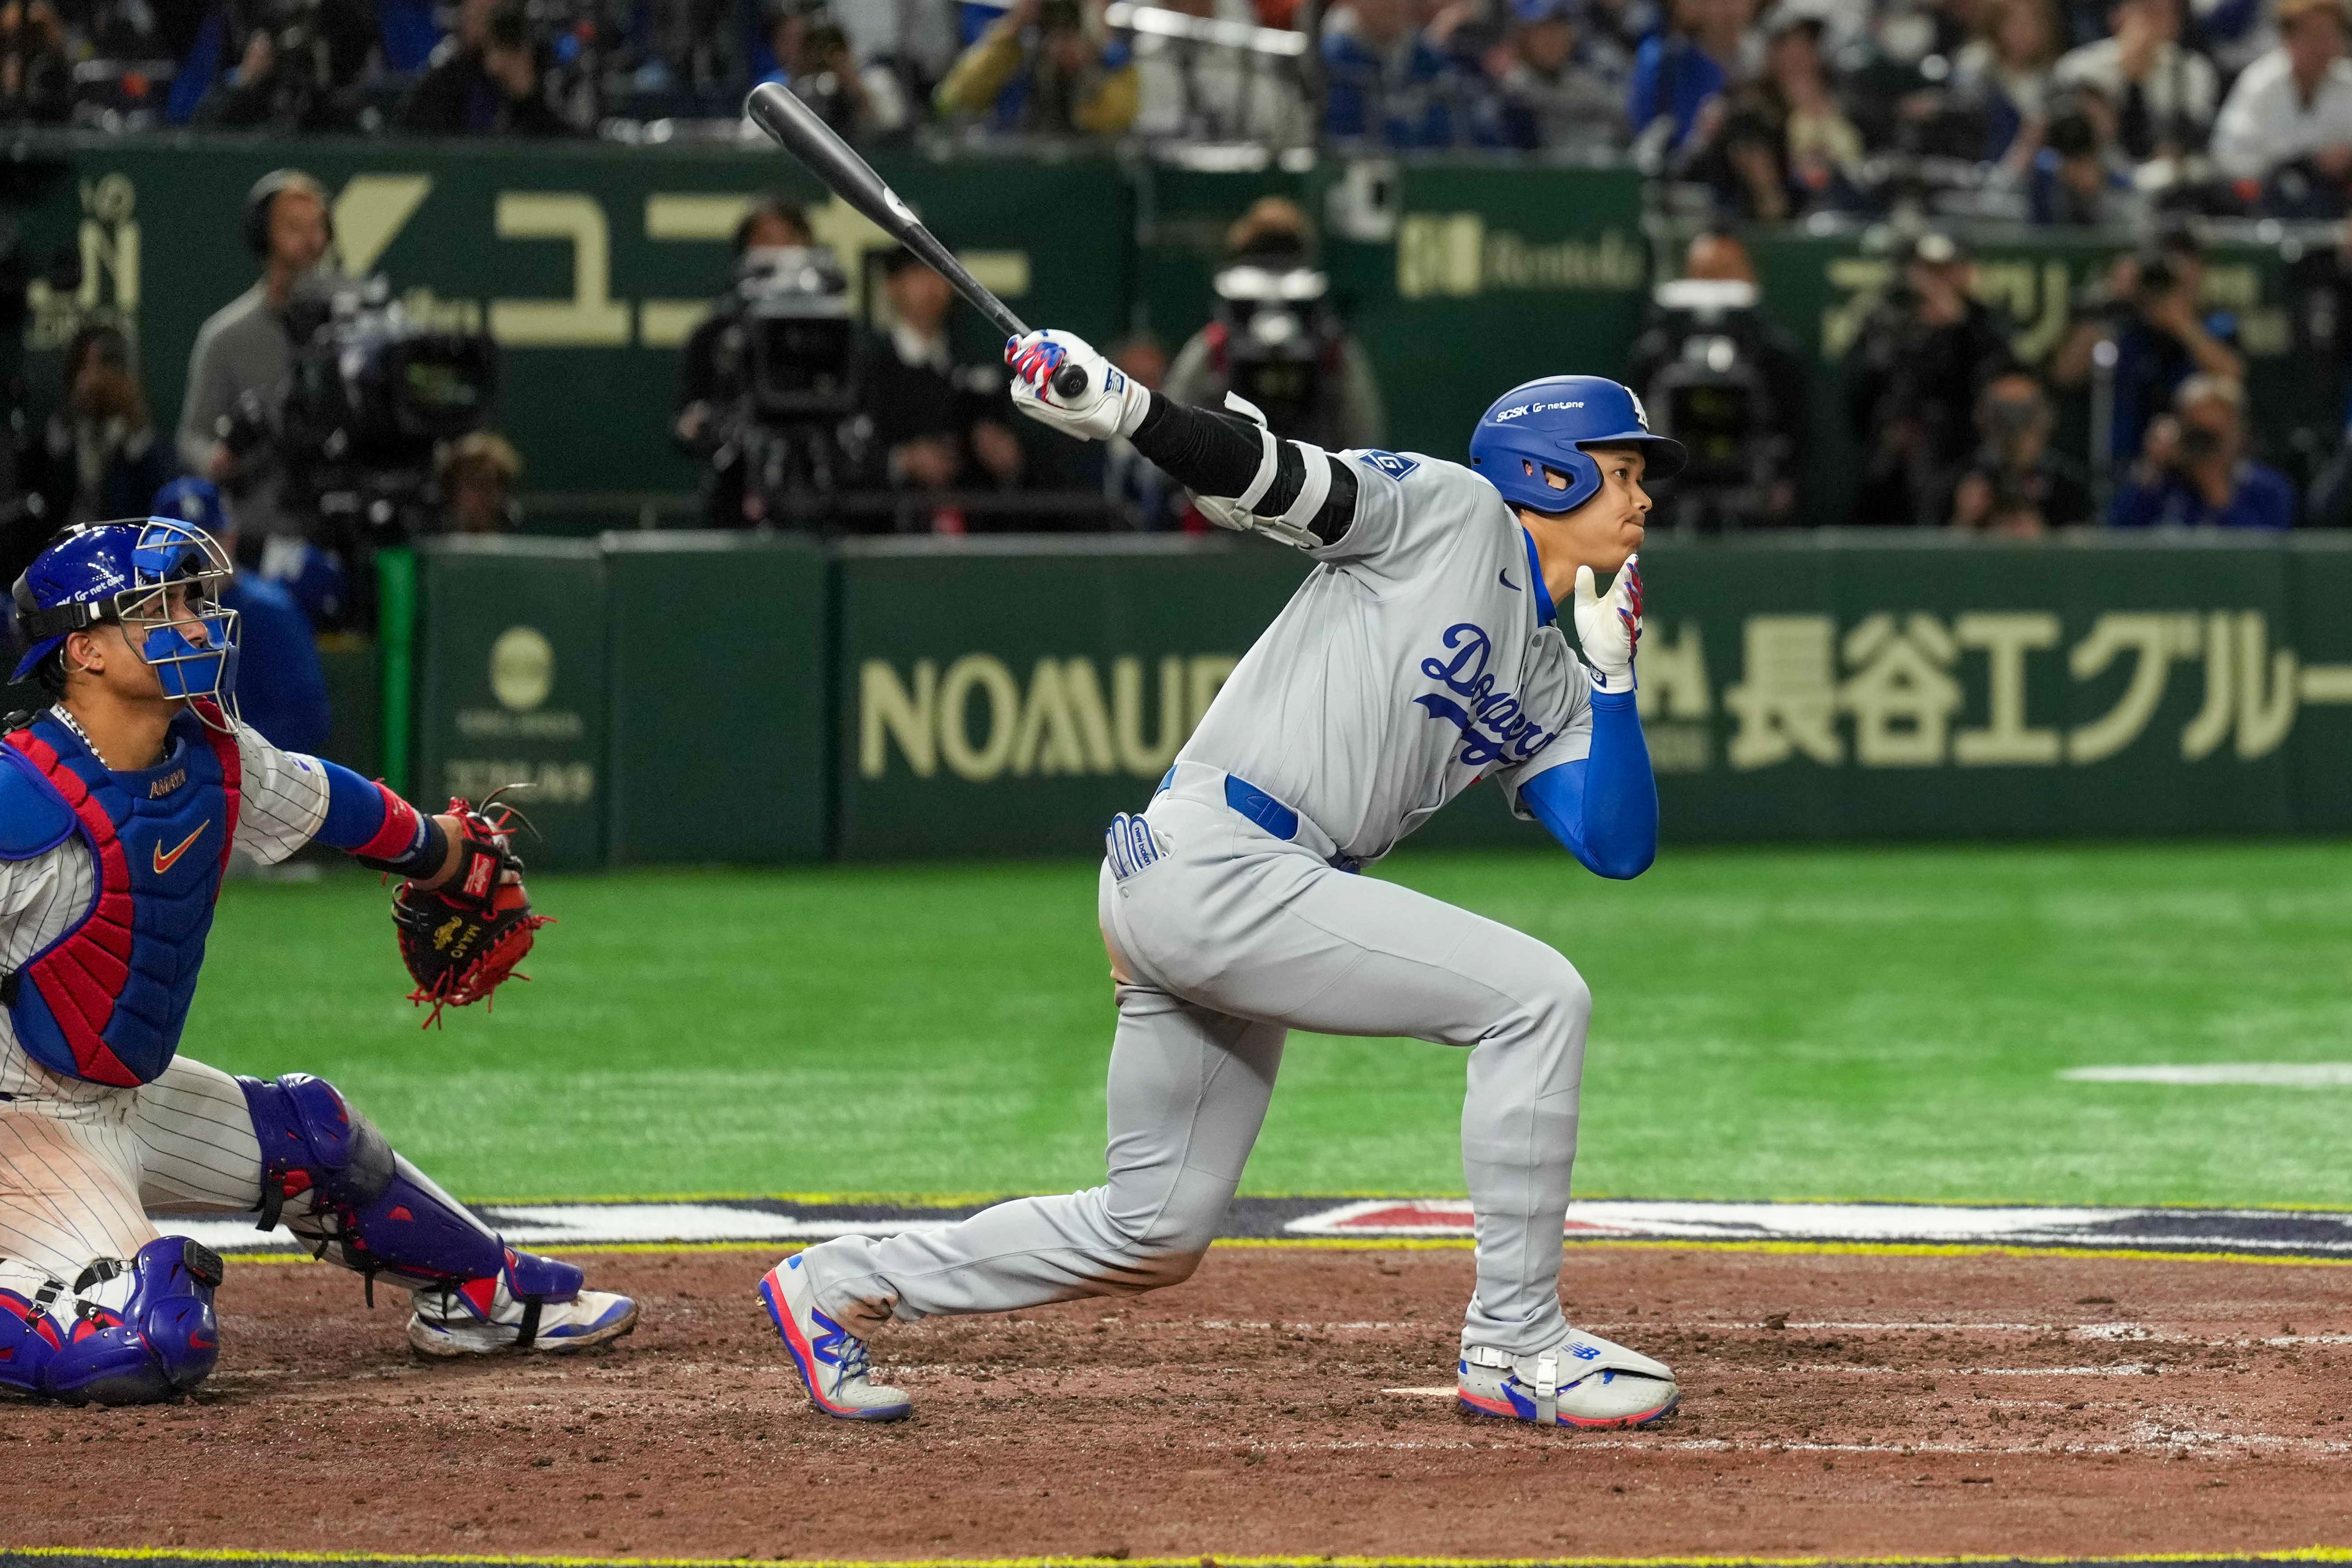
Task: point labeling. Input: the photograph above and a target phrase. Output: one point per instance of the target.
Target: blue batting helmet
(195, 502)
(125, 573)
(1547, 425)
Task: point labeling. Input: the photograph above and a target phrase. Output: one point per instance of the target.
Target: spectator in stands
(940, 426)
(2163, 93)
(2004, 71)
(297, 72)
(493, 88)
(2079, 175)
(2288, 121)
(2017, 486)
(814, 61)
(244, 355)
(281, 687)
(1201, 90)
(1785, 147)
(1924, 355)
(477, 474)
(2193, 470)
(1548, 97)
(35, 72)
(1385, 82)
(1341, 408)
(1685, 73)
(1047, 67)
(2148, 310)
(99, 455)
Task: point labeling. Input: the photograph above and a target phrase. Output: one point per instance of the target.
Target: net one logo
(974, 718)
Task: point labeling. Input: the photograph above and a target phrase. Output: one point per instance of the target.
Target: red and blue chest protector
(106, 1001)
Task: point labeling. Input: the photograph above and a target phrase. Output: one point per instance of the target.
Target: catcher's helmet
(1547, 424)
(125, 573)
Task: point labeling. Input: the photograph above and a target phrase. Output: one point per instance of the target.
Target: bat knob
(1070, 381)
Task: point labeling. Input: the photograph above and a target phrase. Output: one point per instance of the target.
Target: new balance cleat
(1584, 1381)
(832, 1360)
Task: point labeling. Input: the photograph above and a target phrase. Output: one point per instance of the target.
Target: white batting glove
(1112, 403)
(1610, 629)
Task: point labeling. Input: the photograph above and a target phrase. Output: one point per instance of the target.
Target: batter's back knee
(1163, 1243)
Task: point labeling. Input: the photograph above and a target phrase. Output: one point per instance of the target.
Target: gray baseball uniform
(1417, 659)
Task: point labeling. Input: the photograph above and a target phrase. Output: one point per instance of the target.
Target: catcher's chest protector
(106, 1001)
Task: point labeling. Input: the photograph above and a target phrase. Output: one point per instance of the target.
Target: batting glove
(1610, 629)
(1112, 403)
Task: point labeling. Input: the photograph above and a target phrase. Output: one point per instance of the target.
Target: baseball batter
(119, 806)
(1422, 654)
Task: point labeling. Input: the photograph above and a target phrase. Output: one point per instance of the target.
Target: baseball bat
(799, 131)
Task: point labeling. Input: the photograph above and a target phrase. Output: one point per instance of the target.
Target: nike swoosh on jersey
(1505, 575)
(165, 861)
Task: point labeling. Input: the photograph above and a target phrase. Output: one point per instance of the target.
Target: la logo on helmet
(1641, 415)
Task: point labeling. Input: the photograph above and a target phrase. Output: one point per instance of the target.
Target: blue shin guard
(373, 1212)
(128, 1332)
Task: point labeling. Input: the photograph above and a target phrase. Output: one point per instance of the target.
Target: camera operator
(1913, 377)
(2016, 487)
(302, 59)
(243, 358)
(99, 455)
(1721, 376)
(940, 426)
(2148, 308)
(768, 385)
(1275, 339)
(1049, 66)
(2078, 175)
(2193, 470)
(490, 89)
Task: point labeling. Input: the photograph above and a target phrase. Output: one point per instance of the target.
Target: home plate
(1448, 1392)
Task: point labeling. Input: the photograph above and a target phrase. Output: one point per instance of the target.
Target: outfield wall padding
(762, 701)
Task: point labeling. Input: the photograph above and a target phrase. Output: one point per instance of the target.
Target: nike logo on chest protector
(166, 859)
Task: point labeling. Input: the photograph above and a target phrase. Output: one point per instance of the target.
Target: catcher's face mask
(172, 613)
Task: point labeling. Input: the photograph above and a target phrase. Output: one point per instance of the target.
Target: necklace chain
(70, 723)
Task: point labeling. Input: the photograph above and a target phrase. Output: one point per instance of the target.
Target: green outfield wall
(705, 698)
(589, 262)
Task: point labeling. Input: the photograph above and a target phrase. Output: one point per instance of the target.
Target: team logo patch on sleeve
(1389, 463)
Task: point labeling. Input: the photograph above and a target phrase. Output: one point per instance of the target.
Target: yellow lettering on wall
(887, 711)
(591, 318)
(370, 212)
(983, 760)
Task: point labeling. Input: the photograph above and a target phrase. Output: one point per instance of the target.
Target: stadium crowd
(2060, 112)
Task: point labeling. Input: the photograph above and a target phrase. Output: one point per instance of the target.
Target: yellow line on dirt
(2328, 1555)
(1463, 1243)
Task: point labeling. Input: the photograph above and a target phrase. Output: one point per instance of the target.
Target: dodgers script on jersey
(1411, 663)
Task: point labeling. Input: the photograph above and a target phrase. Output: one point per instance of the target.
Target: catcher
(119, 806)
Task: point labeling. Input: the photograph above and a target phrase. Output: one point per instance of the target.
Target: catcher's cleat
(832, 1360)
(1584, 1381)
(485, 1317)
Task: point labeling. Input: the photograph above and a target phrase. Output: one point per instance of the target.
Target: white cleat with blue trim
(832, 1360)
(1584, 1381)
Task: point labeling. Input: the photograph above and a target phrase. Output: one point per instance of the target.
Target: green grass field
(1875, 1023)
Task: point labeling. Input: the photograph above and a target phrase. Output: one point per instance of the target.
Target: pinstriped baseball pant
(78, 1176)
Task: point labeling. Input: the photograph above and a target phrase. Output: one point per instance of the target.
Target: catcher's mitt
(463, 939)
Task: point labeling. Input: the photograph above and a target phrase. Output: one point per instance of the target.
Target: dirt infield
(1837, 1404)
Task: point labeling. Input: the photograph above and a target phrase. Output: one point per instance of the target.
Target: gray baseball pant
(1222, 945)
